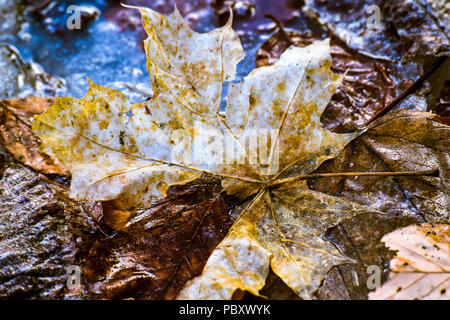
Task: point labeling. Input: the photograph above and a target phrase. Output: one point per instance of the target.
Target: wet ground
(108, 46)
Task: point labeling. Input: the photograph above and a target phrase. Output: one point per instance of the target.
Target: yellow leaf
(421, 268)
(271, 131)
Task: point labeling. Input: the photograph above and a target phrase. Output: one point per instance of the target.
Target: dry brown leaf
(17, 137)
(421, 268)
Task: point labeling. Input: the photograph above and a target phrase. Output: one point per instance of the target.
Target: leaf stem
(433, 173)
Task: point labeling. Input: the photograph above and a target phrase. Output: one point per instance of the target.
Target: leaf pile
(134, 155)
(129, 152)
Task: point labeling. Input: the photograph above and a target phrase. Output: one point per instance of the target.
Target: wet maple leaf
(400, 141)
(270, 135)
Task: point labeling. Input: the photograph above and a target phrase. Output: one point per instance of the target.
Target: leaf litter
(280, 218)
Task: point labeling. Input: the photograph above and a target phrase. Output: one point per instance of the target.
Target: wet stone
(38, 231)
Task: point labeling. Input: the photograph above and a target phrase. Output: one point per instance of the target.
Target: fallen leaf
(134, 153)
(421, 268)
(160, 248)
(413, 28)
(366, 88)
(410, 38)
(400, 141)
(17, 137)
(196, 13)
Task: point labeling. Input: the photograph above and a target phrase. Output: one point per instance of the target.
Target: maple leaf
(421, 268)
(134, 153)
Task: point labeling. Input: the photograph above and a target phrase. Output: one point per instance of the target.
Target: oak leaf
(134, 153)
(421, 268)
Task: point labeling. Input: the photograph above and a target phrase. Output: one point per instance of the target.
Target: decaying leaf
(366, 88)
(421, 268)
(17, 137)
(422, 25)
(411, 28)
(159, 249)
(411, 37)
(134, 153)
(402, 140)
(283, 229)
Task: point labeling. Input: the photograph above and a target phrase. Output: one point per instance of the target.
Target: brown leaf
(408, 28)
(421, 268)
(160, 248)
(400, 141)
(367, 87)
(17, 137)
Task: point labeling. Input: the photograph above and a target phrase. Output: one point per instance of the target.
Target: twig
(432, 173)
(415, 86)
